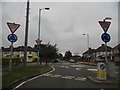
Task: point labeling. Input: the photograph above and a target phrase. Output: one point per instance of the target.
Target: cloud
(64, 24)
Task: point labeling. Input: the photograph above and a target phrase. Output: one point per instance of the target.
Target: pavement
(96, 80)
(107, 81)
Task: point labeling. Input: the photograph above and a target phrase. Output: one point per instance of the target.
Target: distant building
(19, 51)
(89, 54)
(116, 53)
(101, 53)
(98, 54)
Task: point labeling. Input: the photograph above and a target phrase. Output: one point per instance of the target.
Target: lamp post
(88, 44)
(40, 20)
(39, 28)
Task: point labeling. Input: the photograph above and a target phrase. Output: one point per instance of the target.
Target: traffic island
(108, 81)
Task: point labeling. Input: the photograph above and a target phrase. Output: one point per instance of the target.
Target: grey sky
(64, 24)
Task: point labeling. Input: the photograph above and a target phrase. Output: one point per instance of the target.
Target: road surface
(67, 75)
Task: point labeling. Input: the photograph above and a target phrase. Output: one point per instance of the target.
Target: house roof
(90, 51)
(102, 48)
(19, 48)
(117, 47)
(99, 49)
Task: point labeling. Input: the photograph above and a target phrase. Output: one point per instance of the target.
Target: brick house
(101, 53)
(116, 54)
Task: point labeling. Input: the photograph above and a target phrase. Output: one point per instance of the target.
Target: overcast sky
(64, 24)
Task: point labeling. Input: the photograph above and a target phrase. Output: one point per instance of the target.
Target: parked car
(56, 60)
(72, 61)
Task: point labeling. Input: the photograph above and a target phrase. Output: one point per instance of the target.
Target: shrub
(15, 60)
(35, 59)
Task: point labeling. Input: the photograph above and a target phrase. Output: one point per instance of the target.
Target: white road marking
(68, 77)
(55, 75)
(65, 66)
(19, 85)
(77, 66)
(47, 74)
(92, 70)
(80, 78)
(33, 79)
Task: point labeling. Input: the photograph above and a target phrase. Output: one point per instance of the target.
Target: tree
(48, 52)
(68, 55)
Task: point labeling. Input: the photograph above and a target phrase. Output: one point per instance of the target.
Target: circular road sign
(102, 66)
(12, 38)
(38, 48)
(105, 37)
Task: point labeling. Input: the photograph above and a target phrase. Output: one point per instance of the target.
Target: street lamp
(40, 20)
(88, 44)
(39, 28)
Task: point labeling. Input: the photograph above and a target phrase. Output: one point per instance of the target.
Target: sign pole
(12, 38)
(38, 59)
(106, 61)
(106, 38)
(106, 51)
(10, 62)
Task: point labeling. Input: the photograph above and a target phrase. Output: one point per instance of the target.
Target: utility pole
(26, 34)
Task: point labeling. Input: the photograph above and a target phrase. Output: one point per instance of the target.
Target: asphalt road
(67, 75)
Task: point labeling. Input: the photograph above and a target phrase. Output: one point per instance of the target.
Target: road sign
(105, 37)
(38, 48)
(102, 66)
(105, 25)
(101, 74)
(12, 38)
(38, 42)
(13, 27)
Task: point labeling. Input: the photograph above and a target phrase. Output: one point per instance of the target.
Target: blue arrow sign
(105, 37)
(12, 38)
(38, 48)
(102, 66)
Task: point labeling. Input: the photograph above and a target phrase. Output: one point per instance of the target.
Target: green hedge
(15, 60)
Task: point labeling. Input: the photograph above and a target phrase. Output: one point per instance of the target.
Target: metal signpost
(105, 36)
(12, 38)
(38, 49)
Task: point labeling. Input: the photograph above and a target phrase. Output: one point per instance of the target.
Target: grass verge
(19, 72)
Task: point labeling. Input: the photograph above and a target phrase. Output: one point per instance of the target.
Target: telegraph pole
(26, 34)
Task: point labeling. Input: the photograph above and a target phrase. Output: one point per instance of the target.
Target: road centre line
(80, 78)
(68, 77)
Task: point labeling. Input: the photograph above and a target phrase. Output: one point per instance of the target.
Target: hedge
(15, 60)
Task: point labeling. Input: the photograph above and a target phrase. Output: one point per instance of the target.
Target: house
(101, 53)
(19, 51)
(77, 58)
(116, 54)
(89, 55)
